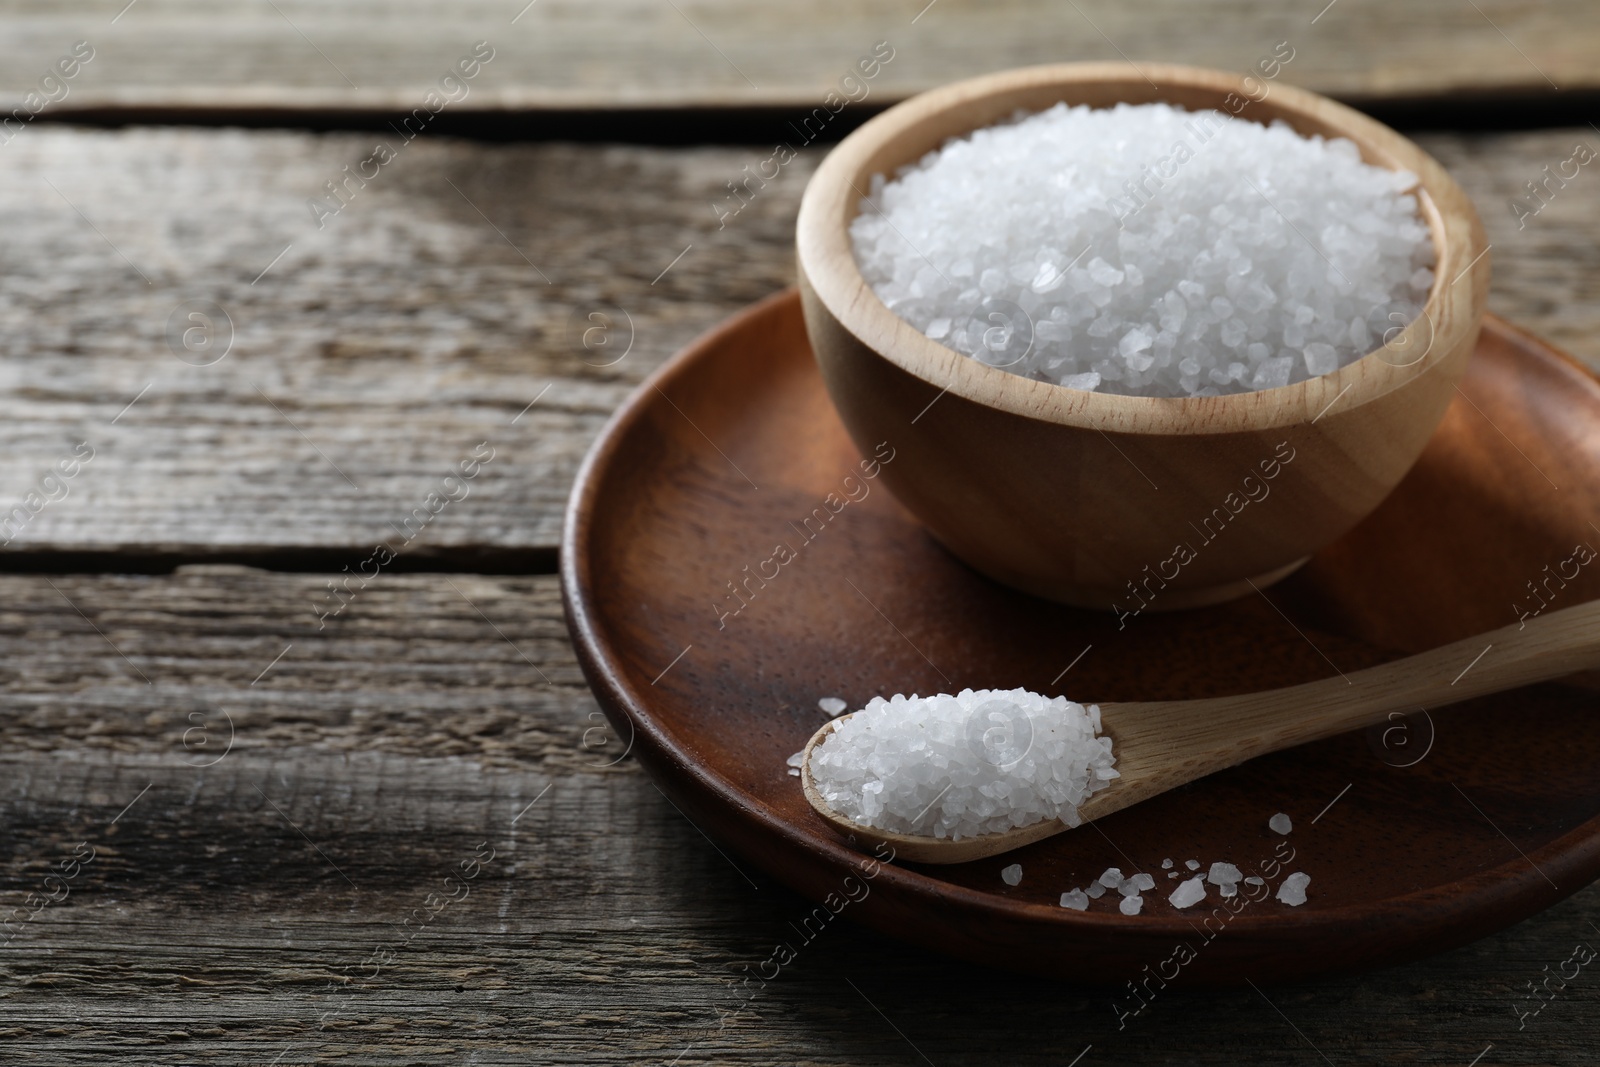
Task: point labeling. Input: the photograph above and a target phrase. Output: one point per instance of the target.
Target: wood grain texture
(408, 330)
(371, 358)
(606, 931)
(481, 671)
(299, 54)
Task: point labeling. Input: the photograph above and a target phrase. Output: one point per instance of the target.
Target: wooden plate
(726, 563)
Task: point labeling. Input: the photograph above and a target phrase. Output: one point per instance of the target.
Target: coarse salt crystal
(1193, 865)
(832, 706)
(1293, 890)
(1075, 899)
(1111, 878)
(1280, 823)
(1188, 893)
(1131, 905)
(1224, 874)
(1012, 875)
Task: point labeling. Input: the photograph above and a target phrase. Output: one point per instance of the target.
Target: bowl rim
(1448, 321)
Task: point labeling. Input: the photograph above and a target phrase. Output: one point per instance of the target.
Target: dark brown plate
(718, 460)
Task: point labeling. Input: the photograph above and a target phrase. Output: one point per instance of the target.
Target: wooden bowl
(1131, 503)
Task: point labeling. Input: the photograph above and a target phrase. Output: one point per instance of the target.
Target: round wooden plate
(728, 560)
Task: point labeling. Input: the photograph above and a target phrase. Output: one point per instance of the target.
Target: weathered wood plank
(369, 357)
(1546, 250)
(225, 903)
(386, 346)
(299, 54)
(169, 666)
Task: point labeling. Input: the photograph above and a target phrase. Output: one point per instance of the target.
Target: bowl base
(1097, 598)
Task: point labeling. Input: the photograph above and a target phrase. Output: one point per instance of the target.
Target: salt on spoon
(999, 769)
(979, 762)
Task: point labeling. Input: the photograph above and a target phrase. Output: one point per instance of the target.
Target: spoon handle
(1162, 745)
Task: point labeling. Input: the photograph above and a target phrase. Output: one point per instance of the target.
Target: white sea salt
(1166, 865)
(978, 762)
(1012, 875)
(1075, 899)
(1280, 823)
(1293, 889)
(1224, 874)
(1095, 891)
(1148, 250)
(1193, 865)
(1188, 893)
(1112, 878)
(832, 706)
(1255, 880)
(1131, 905)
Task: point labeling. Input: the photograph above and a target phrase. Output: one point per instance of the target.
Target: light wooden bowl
(1101, 500)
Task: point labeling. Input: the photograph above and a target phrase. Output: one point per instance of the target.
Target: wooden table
(274, 776)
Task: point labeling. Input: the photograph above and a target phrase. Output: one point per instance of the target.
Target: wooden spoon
(1160, 745)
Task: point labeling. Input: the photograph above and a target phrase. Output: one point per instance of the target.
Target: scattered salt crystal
(1131, 905)
(1174, 874)
(953, 767)
(1129, 888)
(1067, 246)
(1188, 893)
(1227, 892)
(1224, 874)
(1076, 899)
(1193, 865)
(797, 759)
(1166, 865)
(1143, 881)
(1293, 889)
(832, 705)
(1095, 891)
(1012, 875)
(1112, 878)
(794, 772)
(1280, 823)
(1255, 880)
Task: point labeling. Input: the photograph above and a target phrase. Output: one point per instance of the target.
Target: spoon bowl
(1160, 745)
